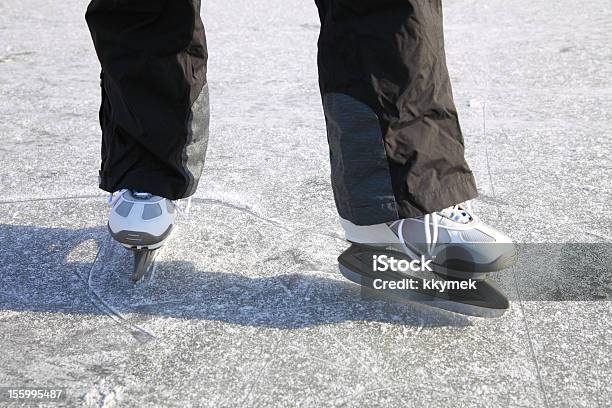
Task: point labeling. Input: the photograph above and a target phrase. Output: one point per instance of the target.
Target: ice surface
(246, 307)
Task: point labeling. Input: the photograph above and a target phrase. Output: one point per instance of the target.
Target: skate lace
(458, 213)
(182, 210)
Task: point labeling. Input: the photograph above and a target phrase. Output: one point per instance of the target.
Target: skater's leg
(395, 142)
(396, 147)
(154, 113)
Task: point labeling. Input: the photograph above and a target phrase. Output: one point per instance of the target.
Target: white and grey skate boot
(455, 239)
(142, 222)
(442, 260)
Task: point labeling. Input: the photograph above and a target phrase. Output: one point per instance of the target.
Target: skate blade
(145, 259)
(144, 262)
(490, 304)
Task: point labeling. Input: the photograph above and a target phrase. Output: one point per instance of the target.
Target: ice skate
(142, 223)
(451, 246)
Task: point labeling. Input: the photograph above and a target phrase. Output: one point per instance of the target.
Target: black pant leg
(396, 146)
(154, 113)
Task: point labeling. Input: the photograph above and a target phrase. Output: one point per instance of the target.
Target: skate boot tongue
(457, 213)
